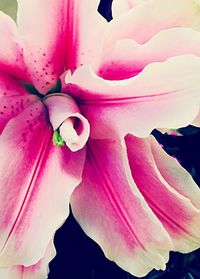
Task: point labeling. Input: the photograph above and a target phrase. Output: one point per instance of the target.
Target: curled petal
(166, 192)
(111, 210)
(156, 98)
(35, 186)
(39, 270)
(127, 58)
(147, 19)
(11, 52)
(65, 116)
(13, 99)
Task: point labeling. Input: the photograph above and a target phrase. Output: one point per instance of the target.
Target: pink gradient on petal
(44, 39)
(36, 198)
(156, 98)
(175, 175)
(174, 210)
(65, 45)
(149, 18)
(127, 58)
(11, 58)
(84, 30)
(111, 211)
(13, 99)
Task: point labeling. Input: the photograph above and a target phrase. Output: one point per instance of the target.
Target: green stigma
(57, 139)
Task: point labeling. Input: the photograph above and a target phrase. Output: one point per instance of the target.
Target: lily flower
(139, 72)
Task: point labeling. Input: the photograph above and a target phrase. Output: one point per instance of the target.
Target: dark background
(78, 257)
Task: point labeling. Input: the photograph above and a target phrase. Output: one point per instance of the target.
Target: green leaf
(9, 7)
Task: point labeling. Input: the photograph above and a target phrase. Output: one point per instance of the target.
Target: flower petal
(39, 270)
(127, 58)
(196, 121)
(11, 53)
(119, 7)
(173, 208)
(36, 181)
(56, 39)
(13, 99)
(83, 32)
(175, 175)
(111, 211)
(84, 42)
(64, 115)
(44, 39)
(147, 19)
(156, 98)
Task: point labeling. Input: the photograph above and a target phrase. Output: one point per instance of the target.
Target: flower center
(70, 127)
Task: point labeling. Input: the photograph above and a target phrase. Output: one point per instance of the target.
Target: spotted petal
(13, 99)
(36, 181)
(66, 42)
(44, 39)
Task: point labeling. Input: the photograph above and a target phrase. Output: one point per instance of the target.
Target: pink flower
(139, 72)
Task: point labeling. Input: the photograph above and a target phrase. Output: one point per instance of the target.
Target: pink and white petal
(175, 175)
(44, 39)
(119, 7)
(36, 181)
(176, 212)
(67, 42)
(127, 58)
(110, 209)
(39, 270)
(156, 98)
(84, 30)
(65, 116)
(11, 52)
(147, 19)
(13, 99)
